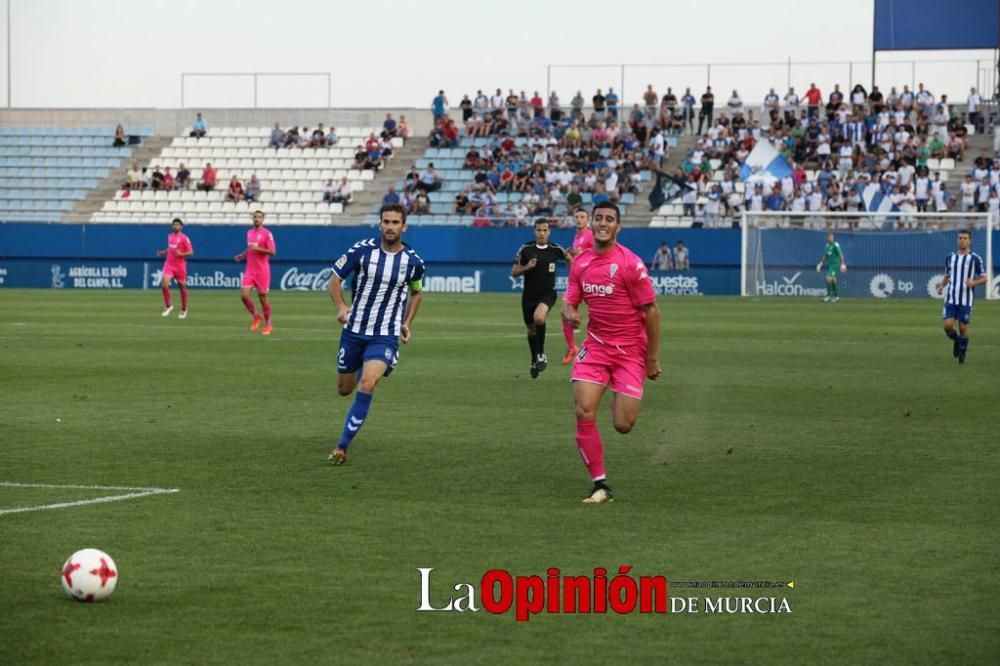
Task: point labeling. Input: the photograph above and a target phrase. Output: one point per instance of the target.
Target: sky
(384, 53)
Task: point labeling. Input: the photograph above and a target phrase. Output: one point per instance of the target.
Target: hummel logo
(354, 423)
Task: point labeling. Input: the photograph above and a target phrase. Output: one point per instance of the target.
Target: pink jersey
(177, 243)
(615, 286)
(257, 261)
(584, 240)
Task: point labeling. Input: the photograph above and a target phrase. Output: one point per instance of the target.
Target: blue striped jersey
(959, 268)
(382, 281)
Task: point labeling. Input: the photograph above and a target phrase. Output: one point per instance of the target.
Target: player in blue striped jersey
(963, 273)
(387, 295)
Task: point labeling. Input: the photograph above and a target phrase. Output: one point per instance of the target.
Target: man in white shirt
(974, 105)
(735, 104)
(791, 106)
(922, 192)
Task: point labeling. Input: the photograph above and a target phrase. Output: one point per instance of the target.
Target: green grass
(837, 446)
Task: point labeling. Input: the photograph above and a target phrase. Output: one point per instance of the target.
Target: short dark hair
(542, 220)
(392, 208)
(966, 232)
(258, 211)
(177, 219)
(609, 206)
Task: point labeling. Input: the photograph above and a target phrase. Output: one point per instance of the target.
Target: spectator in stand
(390, 198)
(577, 106)
(439, 106)
(404, 128)
(199, 128)
(252, 193)
(168, 180)
(466, 106)
(277, 137)
(235, 191)
(209, 178)
(462, 205)
(707, 108)
(145, 178)
(292, 138)
(318, 138)
(497, 101)
(428, 181)
(120, 138)
(360, 158)
(859, 98)
(373, 151)
(133, 179)
(791, 107)
(735, 104)
(651, 99)
(156, 180)
(537, 105)
(390, 128)
(974, 105)
(337, 192)
(183, 177)
(555, 111)
(481, 104)
(687, 105)
(331, 136)
(305, 138)
(611, 99)
(599, 101)
(813, 100)
(421, 205)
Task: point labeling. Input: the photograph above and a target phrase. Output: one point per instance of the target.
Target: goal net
(888, 255)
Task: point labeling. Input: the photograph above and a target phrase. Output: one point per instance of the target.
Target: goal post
(888, 255)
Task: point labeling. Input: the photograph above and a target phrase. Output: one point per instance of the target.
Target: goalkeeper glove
(819, 267)
(843, 268)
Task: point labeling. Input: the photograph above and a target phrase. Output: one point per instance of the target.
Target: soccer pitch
(837, 446)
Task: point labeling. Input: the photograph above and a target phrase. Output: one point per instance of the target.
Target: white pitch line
(139, 492)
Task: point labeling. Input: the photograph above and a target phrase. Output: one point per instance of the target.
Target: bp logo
(934, 284)
(882, 286)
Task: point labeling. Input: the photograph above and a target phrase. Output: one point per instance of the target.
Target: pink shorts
(259, 280)
(623, 370)
(178, 273)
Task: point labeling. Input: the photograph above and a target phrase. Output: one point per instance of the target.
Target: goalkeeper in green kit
(833, 260)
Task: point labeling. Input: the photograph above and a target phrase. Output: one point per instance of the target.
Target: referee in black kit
(536, 261)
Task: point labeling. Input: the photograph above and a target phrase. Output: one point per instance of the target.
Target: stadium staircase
(107, 188)
(641, 216)
(403, 159)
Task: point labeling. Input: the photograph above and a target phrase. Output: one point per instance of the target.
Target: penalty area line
(133, 493)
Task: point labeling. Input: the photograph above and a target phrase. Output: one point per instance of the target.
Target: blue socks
(952, 334)
(963, 343)
(356, 416)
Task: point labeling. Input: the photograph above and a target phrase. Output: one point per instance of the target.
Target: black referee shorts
(531, 301)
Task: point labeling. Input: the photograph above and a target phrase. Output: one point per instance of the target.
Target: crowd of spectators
(552, 156)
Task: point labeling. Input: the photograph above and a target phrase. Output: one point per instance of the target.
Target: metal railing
(780, 75)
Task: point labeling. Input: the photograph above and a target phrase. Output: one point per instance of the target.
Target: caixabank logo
(600, 592)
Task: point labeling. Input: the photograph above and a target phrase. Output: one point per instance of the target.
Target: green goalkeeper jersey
(832, 257)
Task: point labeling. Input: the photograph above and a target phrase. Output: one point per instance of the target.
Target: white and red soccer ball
(89, 575)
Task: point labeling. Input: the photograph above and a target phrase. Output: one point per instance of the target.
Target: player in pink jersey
(584, 240)
(178, 249)
(260, 249)
(622, 344)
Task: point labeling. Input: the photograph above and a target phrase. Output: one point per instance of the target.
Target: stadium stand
(508, 165)
(837, 149)
(45, 170)
(292, 179)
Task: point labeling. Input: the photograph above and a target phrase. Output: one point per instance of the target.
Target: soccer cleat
(338, 456)
(183, 314)
(167, 310)
(534, 371)
(541, 362)
(835, 299)
(600, 494)
(826, 299)
(961, 356)
(257, 321)
(955, 348)
(267, 329)
(570, 353)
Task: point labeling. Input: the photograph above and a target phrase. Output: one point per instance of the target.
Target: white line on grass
(132, 493)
